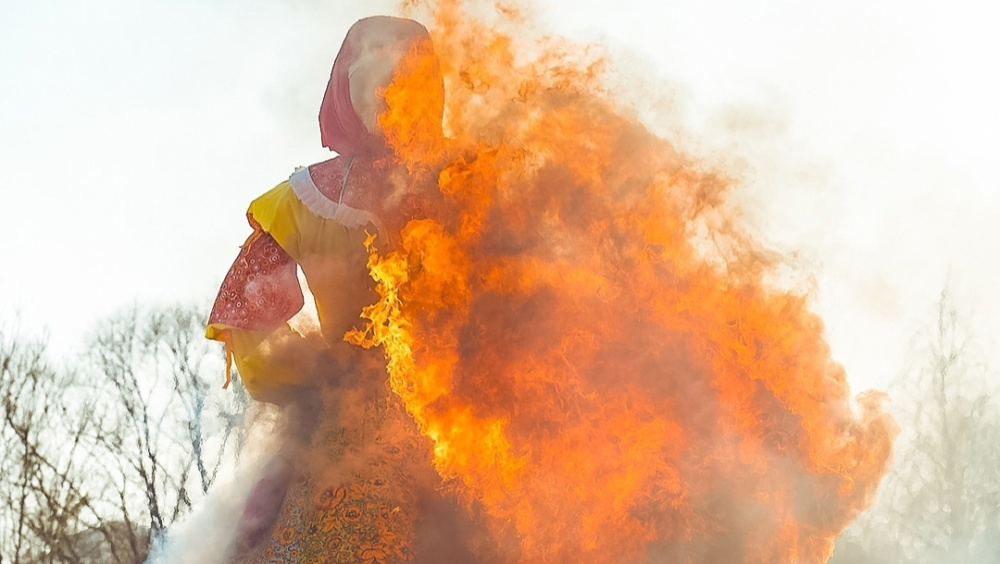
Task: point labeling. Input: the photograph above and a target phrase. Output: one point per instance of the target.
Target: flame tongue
(604, 384)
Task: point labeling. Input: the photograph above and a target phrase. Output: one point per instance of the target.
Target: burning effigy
(544, 335)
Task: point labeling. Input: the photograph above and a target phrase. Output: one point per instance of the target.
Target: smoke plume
(597, 349)
(602, 359)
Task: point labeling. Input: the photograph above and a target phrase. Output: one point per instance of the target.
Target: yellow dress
(355, 476)
(332, 258)
(354, 480)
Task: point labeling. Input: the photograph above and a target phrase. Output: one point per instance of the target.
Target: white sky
(134, 134)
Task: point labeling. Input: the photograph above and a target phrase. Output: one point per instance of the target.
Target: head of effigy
(368, 61)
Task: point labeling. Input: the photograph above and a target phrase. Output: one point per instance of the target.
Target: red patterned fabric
(365, 188)
(261, 290)
(328, 176)
(341, 129)
(364, 184)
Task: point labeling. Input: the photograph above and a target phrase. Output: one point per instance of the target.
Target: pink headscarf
(341, 128)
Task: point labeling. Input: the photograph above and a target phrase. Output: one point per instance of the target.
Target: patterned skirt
(360, 488)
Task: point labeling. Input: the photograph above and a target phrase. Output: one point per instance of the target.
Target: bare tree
(174, 337)
(46, 499)
(167, 428)
(98, 461)
(942, 501)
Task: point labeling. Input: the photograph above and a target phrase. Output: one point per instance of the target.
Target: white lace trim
(316, 202)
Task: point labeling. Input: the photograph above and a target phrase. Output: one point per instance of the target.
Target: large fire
(590, 340)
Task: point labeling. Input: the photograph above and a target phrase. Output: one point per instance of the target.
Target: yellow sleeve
(300, 232)
(277, 364)
(280, 213)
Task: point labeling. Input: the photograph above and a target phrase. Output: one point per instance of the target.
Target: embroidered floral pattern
(328, 176)
(367, 514)
(261, 289)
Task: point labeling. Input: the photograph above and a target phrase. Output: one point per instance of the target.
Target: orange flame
(586, 335)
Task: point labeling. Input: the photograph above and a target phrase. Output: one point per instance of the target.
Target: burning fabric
(580, 339)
